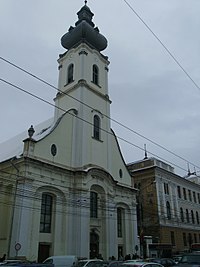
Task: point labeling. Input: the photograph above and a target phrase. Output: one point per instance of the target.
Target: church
(65, 188)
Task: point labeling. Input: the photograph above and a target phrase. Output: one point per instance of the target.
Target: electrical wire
(73, 200)
(118, 137)
(163, 45)
(90, 107)
(122, 125)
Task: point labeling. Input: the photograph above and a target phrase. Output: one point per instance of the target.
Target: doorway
(43, 252)
(94, 245)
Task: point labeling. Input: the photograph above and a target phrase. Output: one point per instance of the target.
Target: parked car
(12, 262)
(136, 260)
(89, 263)
(62, 261)
(114, 263)
(166, 262)
(141, 264)
(189, 260)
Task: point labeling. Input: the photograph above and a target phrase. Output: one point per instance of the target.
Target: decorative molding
(83, 52)
(97, 111)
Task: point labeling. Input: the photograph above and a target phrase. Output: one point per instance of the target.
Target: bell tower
(83, 91)
(83, 69)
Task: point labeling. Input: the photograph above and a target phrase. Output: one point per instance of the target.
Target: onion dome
(84, 32)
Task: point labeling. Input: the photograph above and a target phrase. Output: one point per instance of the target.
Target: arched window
(197, 217)
(119, 222)
(46, 213)
(95, 74)
(70, 73)
(93, 205)
(168, 210)
(96, 129)
(182, 215)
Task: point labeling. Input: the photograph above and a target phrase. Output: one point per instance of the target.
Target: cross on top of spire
(85, 2)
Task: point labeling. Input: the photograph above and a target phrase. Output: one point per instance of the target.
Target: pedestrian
(3, 258)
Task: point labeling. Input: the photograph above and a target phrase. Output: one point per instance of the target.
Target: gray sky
(150, 93)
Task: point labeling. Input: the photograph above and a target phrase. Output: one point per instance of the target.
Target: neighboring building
(67, 189)
(168, 207)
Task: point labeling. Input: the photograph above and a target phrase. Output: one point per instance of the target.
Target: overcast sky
(150, 93)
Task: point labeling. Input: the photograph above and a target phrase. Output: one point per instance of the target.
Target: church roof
(14, 146)
(84, 31)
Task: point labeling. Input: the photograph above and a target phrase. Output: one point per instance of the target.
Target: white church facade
(65, 188)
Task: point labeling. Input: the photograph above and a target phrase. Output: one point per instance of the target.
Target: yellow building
(168, 206)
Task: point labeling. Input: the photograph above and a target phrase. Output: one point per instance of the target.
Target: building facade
(168, 207)
(65, 188)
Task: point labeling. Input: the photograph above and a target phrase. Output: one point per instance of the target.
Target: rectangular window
(194, 197)
(198, 195)
(166, 188)
(46, 213)
(184, 240)
(187, 216)
(184, 194)
(93, 205)
(179, 191)
(119, 222)
(173, 238)
(189, 195)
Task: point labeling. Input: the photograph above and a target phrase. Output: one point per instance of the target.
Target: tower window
(46, 213)
(95, 75)
(70, 73)
(96, 129)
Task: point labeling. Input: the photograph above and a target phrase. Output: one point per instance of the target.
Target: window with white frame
(93, 205)
(96, 127)
(46, 213)
(70, 73)
(95, 74)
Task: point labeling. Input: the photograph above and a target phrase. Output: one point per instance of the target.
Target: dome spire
(84, 32)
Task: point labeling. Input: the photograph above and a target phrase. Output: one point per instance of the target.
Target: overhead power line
(72, 201)
(163, 45)
(118, 137)
(90, 107)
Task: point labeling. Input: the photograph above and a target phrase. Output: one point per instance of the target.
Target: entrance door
(43, 252)
(94, 245)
